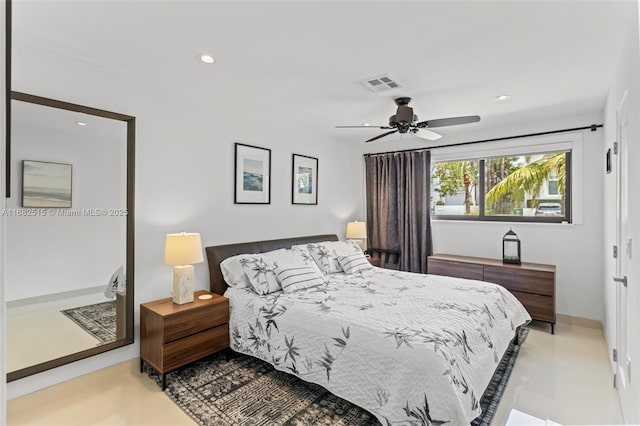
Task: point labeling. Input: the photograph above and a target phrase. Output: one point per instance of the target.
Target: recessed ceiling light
(207, 59)
(502, 98)
(81, 123)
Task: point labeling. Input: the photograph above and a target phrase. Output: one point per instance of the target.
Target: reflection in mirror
(69, 237)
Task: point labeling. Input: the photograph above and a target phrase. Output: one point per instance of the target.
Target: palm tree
(529, 179)
(454, 176)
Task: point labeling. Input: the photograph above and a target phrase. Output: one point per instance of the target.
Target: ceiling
(64, 122)
(305, 59)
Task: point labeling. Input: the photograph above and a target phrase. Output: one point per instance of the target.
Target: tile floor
(564, 377)
(40, 332)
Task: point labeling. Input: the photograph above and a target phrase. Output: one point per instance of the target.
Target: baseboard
(582, 322)
(53, 297)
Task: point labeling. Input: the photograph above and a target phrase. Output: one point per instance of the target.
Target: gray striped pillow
(298, 277)
(353, 263)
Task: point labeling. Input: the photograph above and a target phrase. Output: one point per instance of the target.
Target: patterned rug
(493, 394)
(99, 320)
(246, 391)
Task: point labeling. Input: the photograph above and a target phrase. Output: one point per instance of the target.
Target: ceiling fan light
(428, 134)
(207, 59)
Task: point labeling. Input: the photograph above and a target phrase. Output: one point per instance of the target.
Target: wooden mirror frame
(7, 98)
(129, 311)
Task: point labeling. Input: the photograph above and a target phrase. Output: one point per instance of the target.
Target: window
(553, 188)
(455, 185)
(524, 187)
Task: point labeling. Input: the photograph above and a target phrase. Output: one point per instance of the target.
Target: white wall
(52, 253)
(576, 249)
(626, 78)
(184, 173)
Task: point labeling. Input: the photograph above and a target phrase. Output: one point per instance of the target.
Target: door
(623, 260)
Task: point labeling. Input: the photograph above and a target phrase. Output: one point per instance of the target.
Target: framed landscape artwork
(252, 182)
(304, 180)
(46, 184)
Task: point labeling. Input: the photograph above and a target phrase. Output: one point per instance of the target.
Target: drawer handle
(622, 280)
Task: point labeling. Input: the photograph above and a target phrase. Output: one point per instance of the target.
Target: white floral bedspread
(409, 348)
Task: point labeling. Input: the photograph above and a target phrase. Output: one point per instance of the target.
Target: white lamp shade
(357, 230)
(183, 249)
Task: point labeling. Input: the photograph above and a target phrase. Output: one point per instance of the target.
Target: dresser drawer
(454, 269)
(522, 280)
(192, 348)
(184, 324)
(539, 307)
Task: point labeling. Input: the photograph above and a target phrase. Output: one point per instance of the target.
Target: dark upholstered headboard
(216, 254)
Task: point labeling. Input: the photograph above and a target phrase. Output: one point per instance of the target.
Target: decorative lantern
(511, 248)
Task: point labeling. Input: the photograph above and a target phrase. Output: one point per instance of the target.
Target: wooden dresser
(533, 284)
(173, 335)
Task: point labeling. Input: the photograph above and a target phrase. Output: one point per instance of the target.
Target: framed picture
(304, 188)
(46, 184)
(252, 184)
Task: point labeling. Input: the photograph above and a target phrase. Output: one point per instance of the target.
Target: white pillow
(326, 254)
(298, 277)
(261, 276)
(260, 268)
(353, 263)
(233, 273)
(302, 250)
(117, 283)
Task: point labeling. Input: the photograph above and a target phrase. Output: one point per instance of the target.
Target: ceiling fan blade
(363, 127)
(381, 136)
(428, 134)
(451, 121)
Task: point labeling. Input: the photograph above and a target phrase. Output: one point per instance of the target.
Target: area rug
(243, 391)
(492, 396)
(98, 319)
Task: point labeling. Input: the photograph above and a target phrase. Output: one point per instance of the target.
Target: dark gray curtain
(398, 218)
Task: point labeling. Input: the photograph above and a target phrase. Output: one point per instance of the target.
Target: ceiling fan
(405, 121)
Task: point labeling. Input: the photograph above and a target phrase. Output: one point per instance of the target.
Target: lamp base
(183, 284)
(361, 243)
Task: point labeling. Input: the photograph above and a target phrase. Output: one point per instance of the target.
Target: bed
(406, 347)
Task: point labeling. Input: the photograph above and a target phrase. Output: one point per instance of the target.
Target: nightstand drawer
(192, 348)
(195, 320)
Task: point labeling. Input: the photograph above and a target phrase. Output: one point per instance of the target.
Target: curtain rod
(592, 127)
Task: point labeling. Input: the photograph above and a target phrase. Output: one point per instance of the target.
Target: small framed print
(304, 180)
(608, 161)
(46, 184)
(252, 183)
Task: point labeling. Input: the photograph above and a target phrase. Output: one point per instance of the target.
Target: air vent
(380, 83)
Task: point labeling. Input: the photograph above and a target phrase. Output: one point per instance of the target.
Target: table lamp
(357, 231)
(182, 251)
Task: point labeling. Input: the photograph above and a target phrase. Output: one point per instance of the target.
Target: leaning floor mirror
(70, 233)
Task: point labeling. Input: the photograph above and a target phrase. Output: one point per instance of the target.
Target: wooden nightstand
(383, 258)
(375, 261)
(173, 335)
